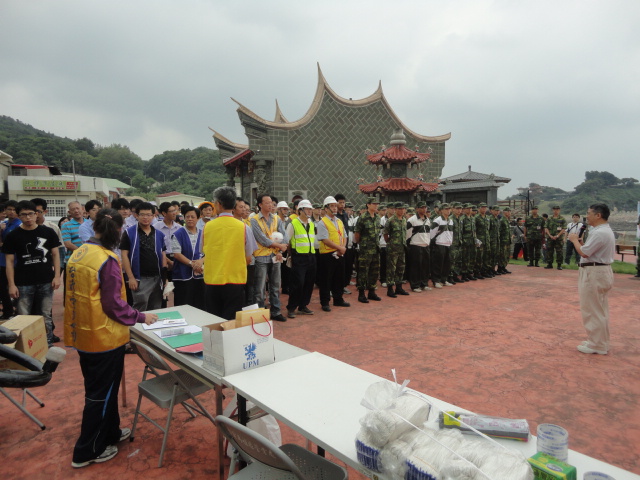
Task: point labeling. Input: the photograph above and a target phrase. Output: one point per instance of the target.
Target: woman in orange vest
(96, 323)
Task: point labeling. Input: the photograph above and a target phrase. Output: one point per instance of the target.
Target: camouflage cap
(411, 210)
(495, 207)
(473, 207)
(457, 205)
(535, 207)
(371, 200)
(363, 207)
(399, 205)
(506, 209)
(556, 206)
(466, 205)
(317, 205)
(444, 205)
(421, 204)
(482, 204)
(382, 205)
(348, 205)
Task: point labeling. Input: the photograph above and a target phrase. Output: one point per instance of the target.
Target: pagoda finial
(398, 137)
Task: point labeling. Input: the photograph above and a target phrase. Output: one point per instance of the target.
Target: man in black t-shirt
(33, 265)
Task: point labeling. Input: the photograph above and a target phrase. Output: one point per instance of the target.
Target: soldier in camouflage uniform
(494, 240)
(505, 241)
(395, 234)
(483, 226)
(555, 229)
(367, 236)
(456, 270)
(467, 243)
(533, 231)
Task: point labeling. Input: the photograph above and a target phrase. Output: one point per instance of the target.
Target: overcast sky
(538, 91)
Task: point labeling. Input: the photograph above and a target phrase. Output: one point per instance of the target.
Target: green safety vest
(302, 242)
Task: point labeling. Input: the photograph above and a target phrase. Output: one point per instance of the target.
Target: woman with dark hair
(186, 244)
(96, 322)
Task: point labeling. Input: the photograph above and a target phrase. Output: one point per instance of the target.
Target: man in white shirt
(595, 278)
(574, 227)
(418, 237)
(442, 235)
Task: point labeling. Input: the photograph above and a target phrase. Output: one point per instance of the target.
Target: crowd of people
(223, 255)
(288, 248)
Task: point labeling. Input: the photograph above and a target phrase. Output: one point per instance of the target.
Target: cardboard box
(32, 339)
(546, 467)
(231, 351)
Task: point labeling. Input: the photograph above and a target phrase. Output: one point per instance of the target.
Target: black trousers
(248, 288)
(189, 292)
(419, 261)
(331, 278)
(440, 263)
(100, 428)
(224, 300)
(302, 276)
(349, 258)
(521, 247)
(7, 303)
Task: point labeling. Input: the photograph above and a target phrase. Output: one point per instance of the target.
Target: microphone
(55, 355)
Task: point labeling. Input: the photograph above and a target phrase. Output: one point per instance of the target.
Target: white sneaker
(384, 285)
(427, 288)
(109, 452)
(585, 349)
(417, 290)
(448, 284)
(438, 285)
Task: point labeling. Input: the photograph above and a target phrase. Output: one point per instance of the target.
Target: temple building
(321, 153)
(472, 187)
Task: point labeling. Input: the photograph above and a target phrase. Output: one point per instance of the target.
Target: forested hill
(196, 172)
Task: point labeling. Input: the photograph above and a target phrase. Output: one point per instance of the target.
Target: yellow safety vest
(86, 326)
(302, 242)
(223, 248)
(335, 235)
(263, 251)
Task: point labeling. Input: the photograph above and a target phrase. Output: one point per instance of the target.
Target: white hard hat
(329, 200)
(305, 204)
(282, 204)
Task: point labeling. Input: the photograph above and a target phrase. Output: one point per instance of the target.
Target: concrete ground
(503, 346)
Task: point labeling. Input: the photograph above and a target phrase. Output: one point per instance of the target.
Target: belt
(594, 264)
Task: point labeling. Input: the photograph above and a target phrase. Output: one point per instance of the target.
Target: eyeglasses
(40, 212)
(145, 215)
(28, 214)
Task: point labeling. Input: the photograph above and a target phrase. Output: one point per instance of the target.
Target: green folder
(184, 340)
(174, 315)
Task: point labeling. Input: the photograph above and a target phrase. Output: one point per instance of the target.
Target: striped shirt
(70, 234)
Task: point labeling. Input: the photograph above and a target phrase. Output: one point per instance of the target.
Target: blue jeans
(42, 295)
(262, 271)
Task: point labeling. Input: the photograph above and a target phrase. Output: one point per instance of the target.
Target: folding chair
(35, 375)
(268, 462)
(166, 390)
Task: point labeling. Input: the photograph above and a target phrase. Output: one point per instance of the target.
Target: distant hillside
(620, 193)
(195, 172)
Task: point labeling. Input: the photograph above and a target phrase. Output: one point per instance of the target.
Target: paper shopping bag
(248, 317)
(239, 349)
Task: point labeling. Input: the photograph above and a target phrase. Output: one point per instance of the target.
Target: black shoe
(372, 296)
(637, 275)
(504, 270)
(401, 291)
(326, 308)
(452, 280)
(390, 292)
(55, 339)
(537, 264)
(559, 267)
(341, 304)
(497, 272)
(291, 313)
(362, 298)
(305, 311)
(530, 264)
(471, 278)
(278, 318)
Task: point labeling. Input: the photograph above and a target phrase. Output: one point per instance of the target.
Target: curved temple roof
(282, 123)
(398, 185)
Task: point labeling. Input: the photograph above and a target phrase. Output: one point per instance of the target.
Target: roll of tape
(597, 476)
(553, 440)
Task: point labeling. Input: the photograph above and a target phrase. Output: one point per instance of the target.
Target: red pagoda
(398, 187)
